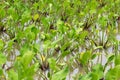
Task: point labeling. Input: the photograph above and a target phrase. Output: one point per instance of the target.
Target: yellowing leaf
(36, 16)
(42, 58)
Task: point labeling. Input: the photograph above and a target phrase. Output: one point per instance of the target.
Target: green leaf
(94, 76)
(1, 44)
(25, 16)
(71, 33)
(110, 58)
(85, 77)
(12, 75)
(27, 58)
(52, 63)
(30, 33)
(94, 56)
(61, 74)
(19, 68)
(84, 57)
(97, 72)
(61, 27)
(2, 12)
(34, 30)
(31, 36)
(3, 59)
(65, 53)
(10, 43)
(30, 71)
(117, 60)
(113, 74)
(66, 45)
(56, 41)
(1, 71)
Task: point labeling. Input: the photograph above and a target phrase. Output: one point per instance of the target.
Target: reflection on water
(118, 37)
